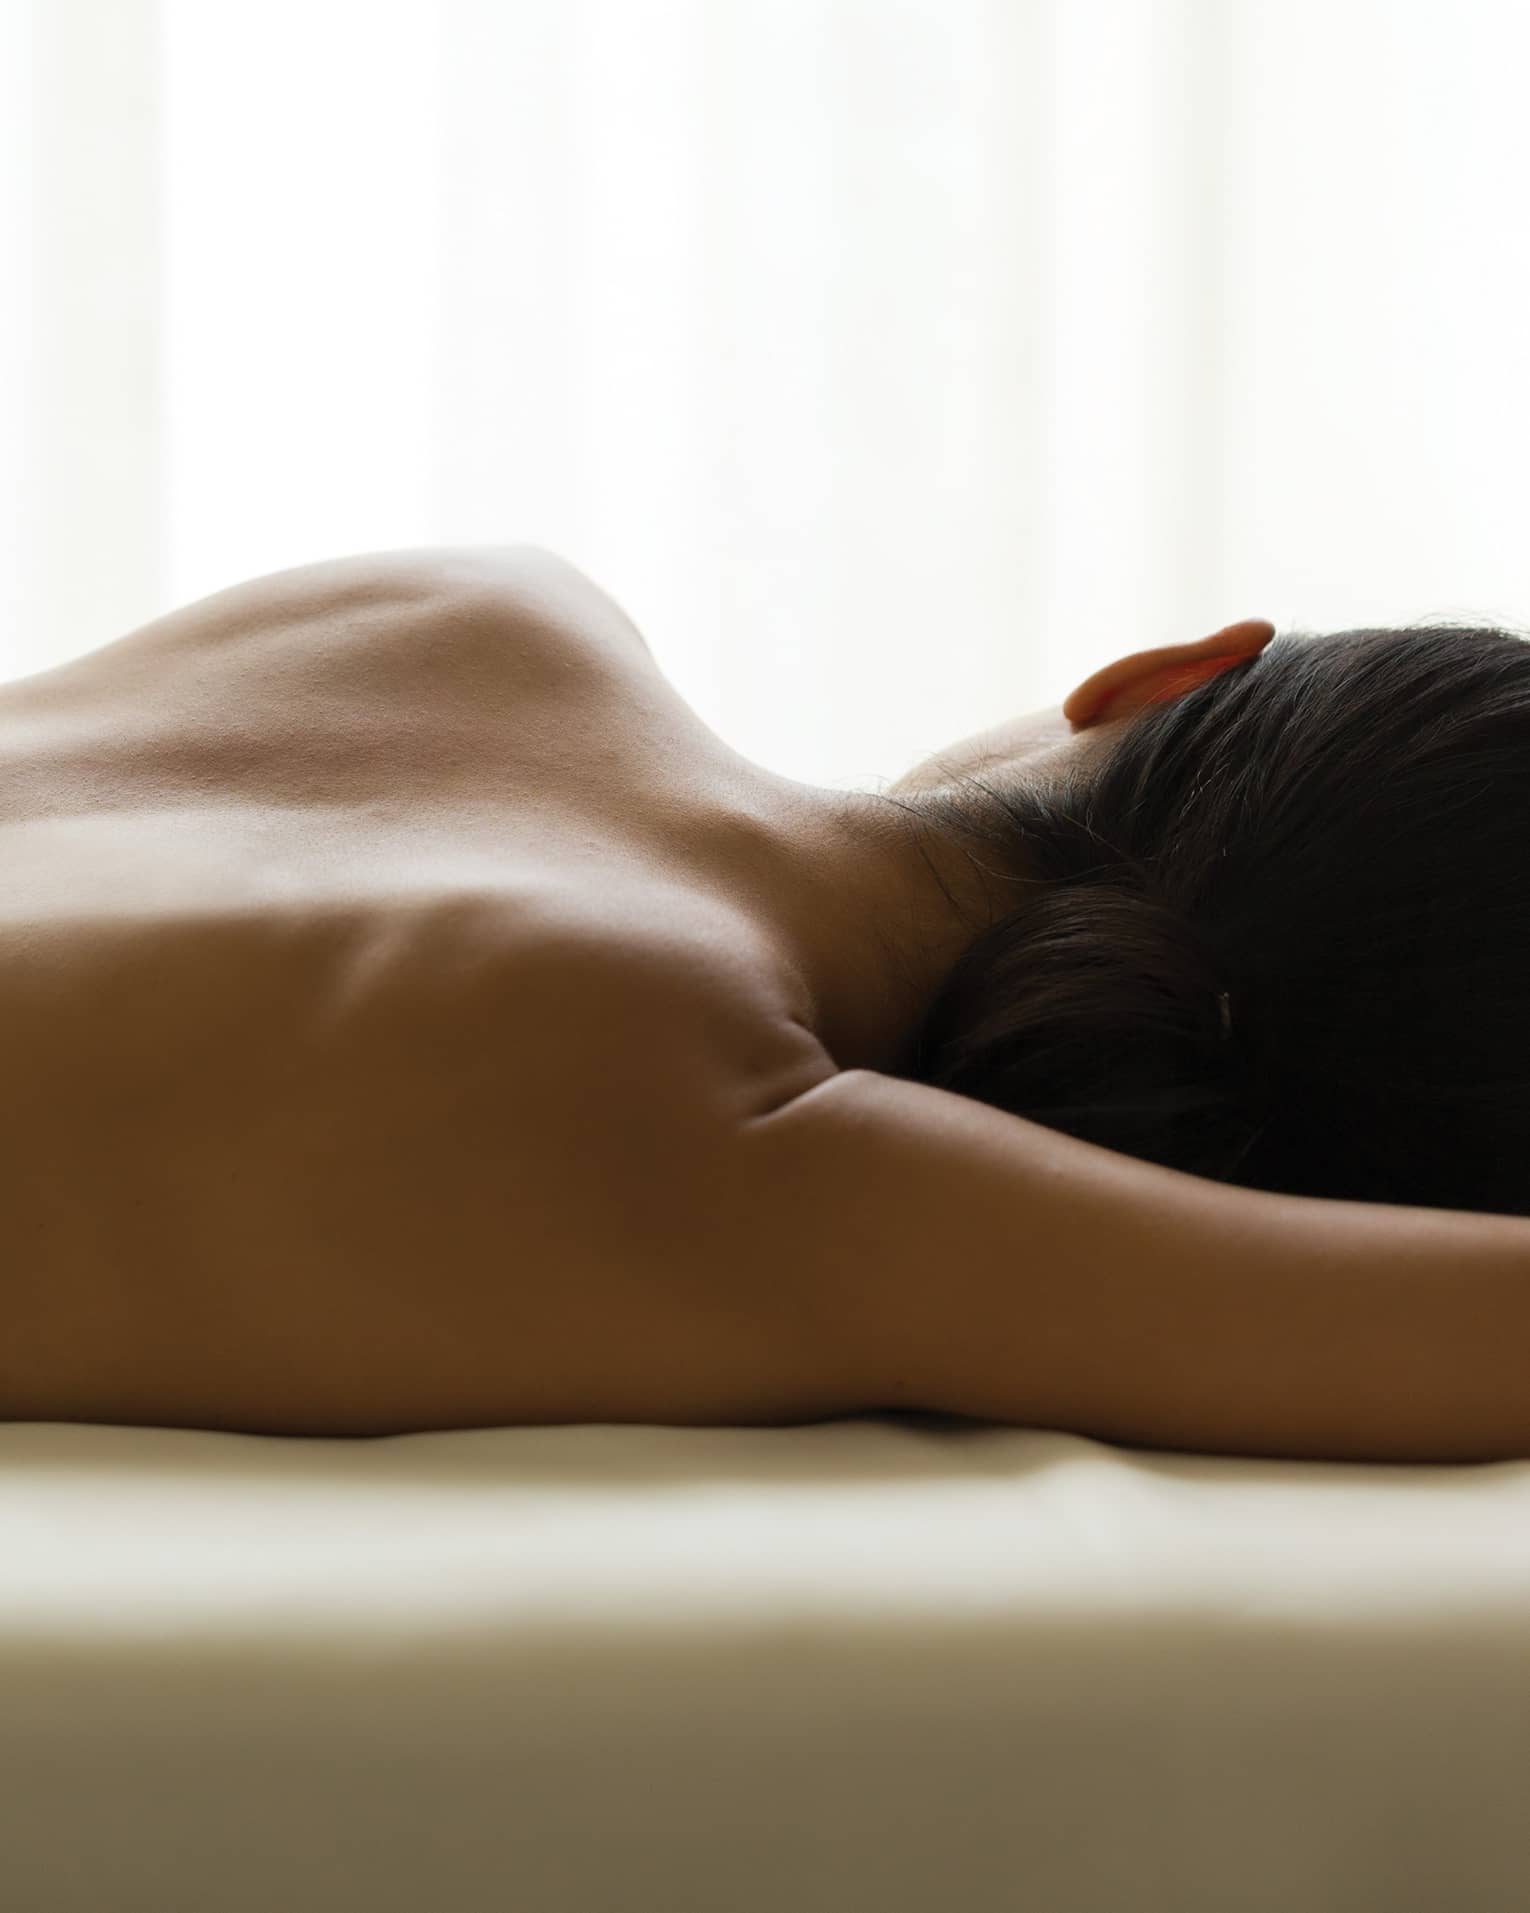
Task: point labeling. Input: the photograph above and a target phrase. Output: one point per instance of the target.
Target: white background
(894, 362)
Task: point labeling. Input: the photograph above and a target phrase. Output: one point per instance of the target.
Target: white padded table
(900, 1663)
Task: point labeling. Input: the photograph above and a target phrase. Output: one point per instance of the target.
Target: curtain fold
(894, 362)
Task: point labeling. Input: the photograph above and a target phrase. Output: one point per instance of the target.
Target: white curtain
(894, 362)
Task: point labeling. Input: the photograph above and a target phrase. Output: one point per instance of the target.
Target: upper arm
(968, 1261)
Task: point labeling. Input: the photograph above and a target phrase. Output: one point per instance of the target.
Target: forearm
(1174, 1312)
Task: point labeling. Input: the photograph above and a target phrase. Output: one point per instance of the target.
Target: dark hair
(1336, 833)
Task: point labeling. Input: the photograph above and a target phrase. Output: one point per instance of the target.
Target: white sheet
(895, 1663)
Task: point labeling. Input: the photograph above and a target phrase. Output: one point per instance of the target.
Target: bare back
(347, 946)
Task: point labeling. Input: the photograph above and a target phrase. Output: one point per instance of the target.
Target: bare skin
(377, 937)
(414, 1017)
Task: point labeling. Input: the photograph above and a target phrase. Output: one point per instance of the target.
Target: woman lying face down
(522, 1052)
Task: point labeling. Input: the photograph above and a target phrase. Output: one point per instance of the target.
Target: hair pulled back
(1283, 933)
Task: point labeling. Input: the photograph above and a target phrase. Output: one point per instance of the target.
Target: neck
(870, 903)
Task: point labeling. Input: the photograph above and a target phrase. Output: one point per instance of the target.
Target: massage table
(900, 1663)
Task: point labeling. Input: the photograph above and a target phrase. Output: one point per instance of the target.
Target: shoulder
(677, 1014)
(616, 1052)
(653, 1054)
